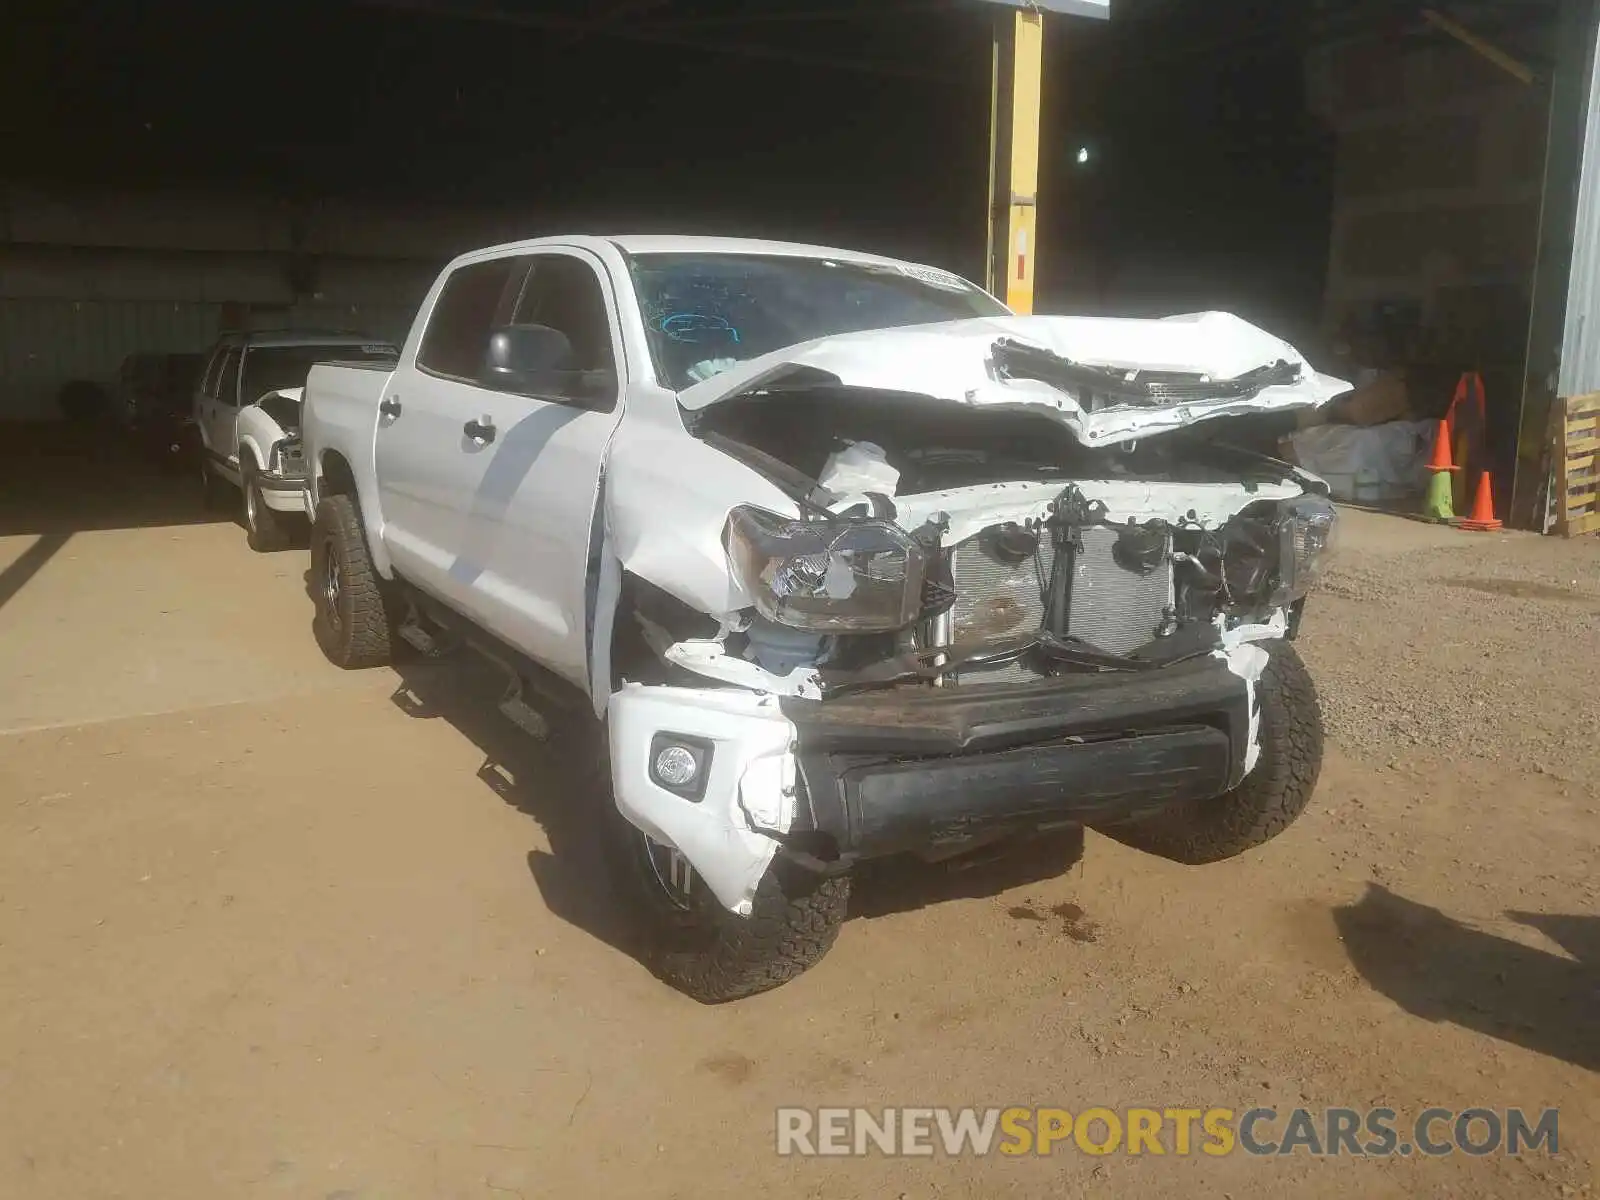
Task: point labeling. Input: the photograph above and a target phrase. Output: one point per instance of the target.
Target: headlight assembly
(1274, 554)
(827, 576)
(1305, 540)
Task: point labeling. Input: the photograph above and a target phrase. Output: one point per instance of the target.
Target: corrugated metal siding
(1580, 342)
(45, 343)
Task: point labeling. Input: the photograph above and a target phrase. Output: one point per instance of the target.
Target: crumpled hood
(971, 362)
(283, 406)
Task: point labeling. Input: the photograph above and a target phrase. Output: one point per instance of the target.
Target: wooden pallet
(1578, 467)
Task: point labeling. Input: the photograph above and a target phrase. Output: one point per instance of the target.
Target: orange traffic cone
(1439, 502)
(1441, 450)
(1482, 518)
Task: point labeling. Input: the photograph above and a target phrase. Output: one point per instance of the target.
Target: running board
(430, 645)
(443, 627)
(523, 715)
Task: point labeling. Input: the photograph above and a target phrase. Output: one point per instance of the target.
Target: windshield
(268, 368)
(705, 313)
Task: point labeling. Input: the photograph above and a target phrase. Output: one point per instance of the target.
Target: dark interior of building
(1361, 177)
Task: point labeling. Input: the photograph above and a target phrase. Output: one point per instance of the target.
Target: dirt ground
(269, 929)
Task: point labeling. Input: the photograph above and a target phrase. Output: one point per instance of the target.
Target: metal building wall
(1580, 341)
(45, 343)
(1562, 343)
(87, 278)
(74, 313)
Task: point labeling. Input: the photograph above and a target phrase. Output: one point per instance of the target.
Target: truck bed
(340, 405)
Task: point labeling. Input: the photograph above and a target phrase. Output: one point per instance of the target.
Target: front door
(531, 525)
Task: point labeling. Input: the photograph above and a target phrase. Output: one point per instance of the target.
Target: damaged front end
(271, 425)
(974, 624)
(1068, 590)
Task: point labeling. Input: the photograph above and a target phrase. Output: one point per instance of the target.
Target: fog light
(676, 766)
(680, 764)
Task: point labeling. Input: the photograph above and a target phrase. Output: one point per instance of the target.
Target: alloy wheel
(332, 586)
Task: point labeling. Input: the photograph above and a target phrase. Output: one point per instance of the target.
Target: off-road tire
(714, 955)
(265, 530)
(1271, 796)
(354, 628)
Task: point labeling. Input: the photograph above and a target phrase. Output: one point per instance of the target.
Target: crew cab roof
(664, 243)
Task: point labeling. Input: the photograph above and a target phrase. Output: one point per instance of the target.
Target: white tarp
(1367, 463)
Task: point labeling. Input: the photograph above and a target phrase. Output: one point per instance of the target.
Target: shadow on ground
(553, 782)
(896, 885)
(1439, 969)
(62, 479)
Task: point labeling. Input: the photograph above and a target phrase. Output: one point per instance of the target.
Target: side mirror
(538, 360)
(516, 350)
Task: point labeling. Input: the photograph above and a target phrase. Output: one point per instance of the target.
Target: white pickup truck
(846, 560)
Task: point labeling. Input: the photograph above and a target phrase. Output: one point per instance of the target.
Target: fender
(256, 450)
(366, 500)
(335, 423)
(663, 501)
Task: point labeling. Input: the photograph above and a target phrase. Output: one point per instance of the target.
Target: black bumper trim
(916, 767)
(899, 806)
(924, 720)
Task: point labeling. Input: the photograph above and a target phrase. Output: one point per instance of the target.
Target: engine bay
(993, 547)
(937, 446)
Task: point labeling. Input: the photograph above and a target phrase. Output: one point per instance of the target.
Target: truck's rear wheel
(701, 948)
(265, 530)
(1271, 796)
(352, 623)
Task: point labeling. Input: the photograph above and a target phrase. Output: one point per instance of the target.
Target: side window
(458, 330)
(228, 380)
(563, 293)
(208, 384)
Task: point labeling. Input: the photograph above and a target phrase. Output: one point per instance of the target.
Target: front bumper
(283, 493)
(922, 769)
(932, 769)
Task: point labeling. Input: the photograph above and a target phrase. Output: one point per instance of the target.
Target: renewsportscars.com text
(1017, 1131)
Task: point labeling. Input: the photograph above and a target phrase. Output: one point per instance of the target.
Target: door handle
(481, 430)
(389, 406)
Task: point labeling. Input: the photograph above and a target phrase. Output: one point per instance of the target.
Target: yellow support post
(1027, 68)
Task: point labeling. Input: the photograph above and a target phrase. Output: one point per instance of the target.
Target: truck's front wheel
(265, 530)
(352, 621)
(701, 948)
(1270, 797)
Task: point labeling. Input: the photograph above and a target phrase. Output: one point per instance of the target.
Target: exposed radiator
(995, 599)
(1114, 608)
(1111, 607)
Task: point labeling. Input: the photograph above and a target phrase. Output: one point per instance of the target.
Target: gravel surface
(1467, 645)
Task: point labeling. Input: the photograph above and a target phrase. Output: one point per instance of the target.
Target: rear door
(424, 460)
(218, 413)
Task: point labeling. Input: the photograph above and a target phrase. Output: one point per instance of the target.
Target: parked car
(254, 449)
(846, 561)
(154, 393)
